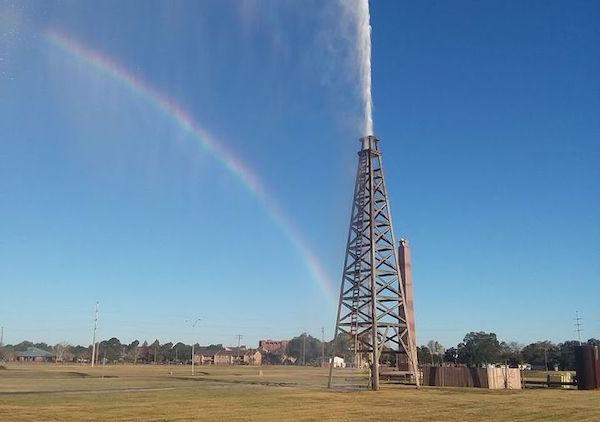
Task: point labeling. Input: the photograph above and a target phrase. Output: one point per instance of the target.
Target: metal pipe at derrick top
(369, 142)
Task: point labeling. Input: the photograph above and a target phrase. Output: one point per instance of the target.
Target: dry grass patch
(163, 393)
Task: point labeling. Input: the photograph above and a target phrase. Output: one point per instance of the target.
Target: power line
(193, 324)
(304, 349)
(578, 325)
(322, 346)
(94, 336)
(239, 339)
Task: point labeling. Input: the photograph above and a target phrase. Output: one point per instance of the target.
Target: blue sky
(488, 116)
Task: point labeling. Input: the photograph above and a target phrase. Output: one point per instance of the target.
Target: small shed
(338, 362)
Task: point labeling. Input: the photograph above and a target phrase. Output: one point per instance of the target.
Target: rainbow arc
(171, 109)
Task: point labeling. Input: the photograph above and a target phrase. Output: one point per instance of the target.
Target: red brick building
(273, 345)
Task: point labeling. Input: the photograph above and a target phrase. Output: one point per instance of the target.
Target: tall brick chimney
(405, 265)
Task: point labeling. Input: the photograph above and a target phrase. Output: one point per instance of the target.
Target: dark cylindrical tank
(597, 357)
(587, 362)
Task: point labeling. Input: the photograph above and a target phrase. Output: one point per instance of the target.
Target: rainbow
(168, 107)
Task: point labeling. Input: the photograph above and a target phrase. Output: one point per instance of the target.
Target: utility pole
(1, 336)
(322, 346)
(578, 325)
(304, 349)
(239, 339)
(94, 336)
(193, 323)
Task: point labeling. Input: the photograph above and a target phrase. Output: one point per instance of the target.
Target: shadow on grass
(242, 382)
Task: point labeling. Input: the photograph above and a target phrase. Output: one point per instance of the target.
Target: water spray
(364, 56)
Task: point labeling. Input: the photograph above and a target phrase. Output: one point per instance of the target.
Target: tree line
(303, 349)
(477, 348)
(480, 348)
(111, 351)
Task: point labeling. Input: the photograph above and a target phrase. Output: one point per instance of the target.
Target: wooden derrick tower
(374, 312)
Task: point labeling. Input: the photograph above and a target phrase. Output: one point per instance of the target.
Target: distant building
(338, 362)
(206, 355)
(273, 345)
(219, 355)
(242, 356)
(34, 354)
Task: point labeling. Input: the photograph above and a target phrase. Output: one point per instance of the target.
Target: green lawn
(159, 393)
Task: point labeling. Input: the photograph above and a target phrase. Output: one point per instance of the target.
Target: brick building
(273, 345)
(219, 355)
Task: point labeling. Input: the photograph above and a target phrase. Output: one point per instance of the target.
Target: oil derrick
(372, 310)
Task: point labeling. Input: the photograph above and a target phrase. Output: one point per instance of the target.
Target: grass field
(164, 393)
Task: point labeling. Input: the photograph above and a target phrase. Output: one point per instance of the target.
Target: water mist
(363, 21)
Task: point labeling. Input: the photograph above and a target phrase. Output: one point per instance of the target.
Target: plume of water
(343, 47)
(363, 21)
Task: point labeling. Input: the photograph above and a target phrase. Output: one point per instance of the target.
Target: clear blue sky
(488, 114)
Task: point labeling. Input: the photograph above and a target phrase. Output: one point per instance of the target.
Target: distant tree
(167, 353)
(144, 353)
(154, 348)
(23, 346)
(567, 355)
(511, 353)
(43, 346)
(451, 355)
(111, 350)
(7, 353)
(541, 353)
(307, 347)
(215, 346)
(182, 352)
(424, 355)
(593, 342)
(479, 348)
(81, 353)
(273, 358)
(62, 352)
(388, 357)
(131, 351)
(341, 344)
(436, 350)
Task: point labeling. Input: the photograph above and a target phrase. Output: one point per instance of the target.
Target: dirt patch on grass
(78, 374)
(75, 374)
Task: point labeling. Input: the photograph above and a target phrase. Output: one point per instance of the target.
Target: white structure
(338, 362)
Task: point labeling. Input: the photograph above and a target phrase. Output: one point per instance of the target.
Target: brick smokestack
(404, 261)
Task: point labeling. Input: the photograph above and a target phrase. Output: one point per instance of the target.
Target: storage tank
(587, 362)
